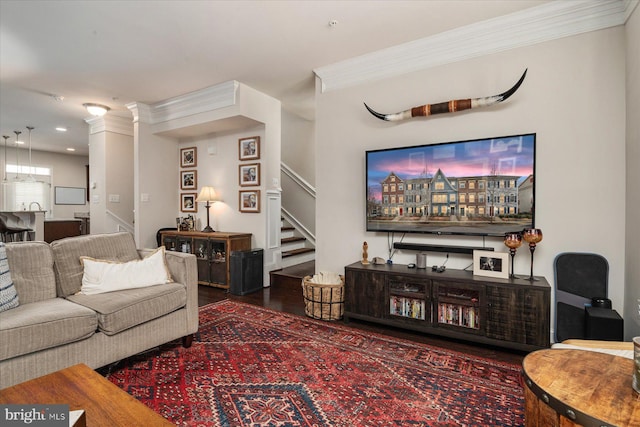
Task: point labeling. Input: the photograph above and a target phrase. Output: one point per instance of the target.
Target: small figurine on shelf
(365, 254)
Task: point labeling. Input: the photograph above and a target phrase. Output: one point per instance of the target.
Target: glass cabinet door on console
(212, 260)
(409, 299)
(211, 250)
(459, 306)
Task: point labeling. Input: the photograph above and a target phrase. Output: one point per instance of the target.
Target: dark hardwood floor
(288, 298)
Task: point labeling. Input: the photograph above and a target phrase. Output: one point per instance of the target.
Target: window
(462, 184)
(20, 192)
(439, 185)
(400, 187)
(472, 185)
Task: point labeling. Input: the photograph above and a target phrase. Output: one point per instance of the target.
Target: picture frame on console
(491, 264)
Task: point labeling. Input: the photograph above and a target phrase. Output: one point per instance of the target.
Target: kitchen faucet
(39, 207)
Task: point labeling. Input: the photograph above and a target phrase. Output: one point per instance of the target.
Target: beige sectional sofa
(54, 327)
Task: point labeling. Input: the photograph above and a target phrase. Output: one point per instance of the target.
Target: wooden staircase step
(287, 228)
(291, 277)
(299, 251)
(292, 239)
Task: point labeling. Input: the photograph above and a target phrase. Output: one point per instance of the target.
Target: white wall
(632, 289)
(221, 171)
(298, 153)
(298, 145)
(573, 98)
(67, 171)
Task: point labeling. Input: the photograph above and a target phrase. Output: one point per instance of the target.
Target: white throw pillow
(102, 276)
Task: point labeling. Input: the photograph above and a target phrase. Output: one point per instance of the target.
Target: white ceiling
(117, 52)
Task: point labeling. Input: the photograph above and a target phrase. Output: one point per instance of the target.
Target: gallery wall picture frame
(491, 264)
(189, 180)
(189, 157)
(249, 174)
(249, 201)
(249, 148)
(188, 202)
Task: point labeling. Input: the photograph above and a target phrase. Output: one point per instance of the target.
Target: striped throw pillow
(8, 294)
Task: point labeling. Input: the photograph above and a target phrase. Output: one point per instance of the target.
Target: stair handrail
(298, 179)
(121, 223)
(311, 238)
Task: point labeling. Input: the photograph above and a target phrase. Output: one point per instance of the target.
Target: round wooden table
(579, 388)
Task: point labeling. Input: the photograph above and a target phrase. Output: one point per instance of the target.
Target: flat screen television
(481, 187)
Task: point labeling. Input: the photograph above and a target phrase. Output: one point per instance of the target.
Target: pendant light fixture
(5, 157)
(30, 177)
(17, 132)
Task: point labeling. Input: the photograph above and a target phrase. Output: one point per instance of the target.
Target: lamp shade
(207, 194)
(97, 110)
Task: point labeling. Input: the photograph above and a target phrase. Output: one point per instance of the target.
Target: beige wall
(573, 98)
(632, 289)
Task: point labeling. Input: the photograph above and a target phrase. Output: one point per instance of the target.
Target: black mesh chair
(12, 234)
(579, 277)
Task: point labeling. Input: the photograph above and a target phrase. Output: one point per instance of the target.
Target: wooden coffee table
(579, 388)
(81, 387)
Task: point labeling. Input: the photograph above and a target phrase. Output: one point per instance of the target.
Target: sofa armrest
(183, 268)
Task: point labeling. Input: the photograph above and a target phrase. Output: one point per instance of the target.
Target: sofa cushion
(8, 294)
(107, 276)
(31, 265)
(44, 324)
(118, 247)
(125, 309)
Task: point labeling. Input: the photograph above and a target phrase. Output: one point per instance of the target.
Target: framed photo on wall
(491, 264)
(189, 157)
(188, 202)
(189, 180)
(249, 175)
(249, 148)
(249, 201)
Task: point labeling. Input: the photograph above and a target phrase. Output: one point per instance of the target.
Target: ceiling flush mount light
(61, 129)
(97, 110)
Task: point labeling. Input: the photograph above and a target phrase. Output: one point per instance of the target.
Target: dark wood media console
(510, 313)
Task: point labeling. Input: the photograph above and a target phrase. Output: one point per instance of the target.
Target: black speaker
(603, 324)
(246, 271)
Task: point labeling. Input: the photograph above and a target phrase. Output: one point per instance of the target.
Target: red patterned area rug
(251, 366)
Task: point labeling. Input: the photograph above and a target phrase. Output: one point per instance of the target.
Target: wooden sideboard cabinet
(212, 251)
(510, 313)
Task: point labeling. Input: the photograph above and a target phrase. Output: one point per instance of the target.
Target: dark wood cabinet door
(365, 293)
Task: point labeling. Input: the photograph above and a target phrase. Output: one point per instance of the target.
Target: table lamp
(208, 195)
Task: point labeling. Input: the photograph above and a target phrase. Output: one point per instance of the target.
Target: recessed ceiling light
(71, 149)
(61, 129)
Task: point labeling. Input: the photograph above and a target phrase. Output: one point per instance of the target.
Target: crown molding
(550, 21)
(211, 98)
(110, 123)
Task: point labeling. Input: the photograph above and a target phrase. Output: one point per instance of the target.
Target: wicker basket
(323, 301)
